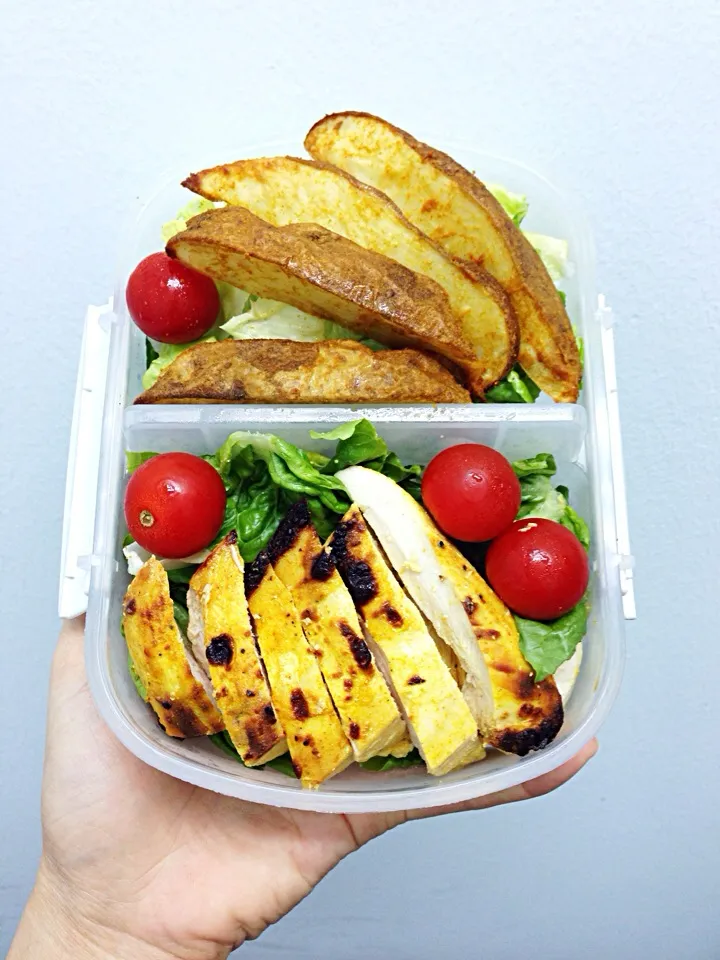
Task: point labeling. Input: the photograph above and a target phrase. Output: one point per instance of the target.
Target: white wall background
(617, 101)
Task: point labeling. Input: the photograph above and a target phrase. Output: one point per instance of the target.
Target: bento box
(584, 439)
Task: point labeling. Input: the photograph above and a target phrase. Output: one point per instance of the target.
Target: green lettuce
(139, 685)
(546, 645)
(271, 320)
(515, 387)
(283, 764)
(515, 205)
(381, 764)
(191, 209)
(553, 252)
(166, 353)
(264, 475)
(540, 498)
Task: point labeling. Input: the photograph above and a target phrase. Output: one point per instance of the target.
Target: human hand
(139, 865)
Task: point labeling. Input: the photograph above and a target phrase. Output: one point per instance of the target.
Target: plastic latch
(83, 462)
(626, 562)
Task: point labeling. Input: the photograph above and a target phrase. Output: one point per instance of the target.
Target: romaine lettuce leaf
(283, 764)
(515, 387)
(539, 498)
(546, 645)
(381, 764)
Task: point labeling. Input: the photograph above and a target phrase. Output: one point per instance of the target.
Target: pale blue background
(618, 101)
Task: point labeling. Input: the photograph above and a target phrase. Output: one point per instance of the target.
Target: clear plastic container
(585, 439)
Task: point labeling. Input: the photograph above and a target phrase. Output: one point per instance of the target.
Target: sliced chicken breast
(438, 718)
(177, 689)
(317, 744)
(223, 644)
(513, 713)
(368, 713)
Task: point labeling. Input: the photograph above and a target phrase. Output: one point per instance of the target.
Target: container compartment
(200, 762)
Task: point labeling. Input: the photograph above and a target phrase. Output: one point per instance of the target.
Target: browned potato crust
(326, 276)
(456, 210)
(286, 371)
(284, 190)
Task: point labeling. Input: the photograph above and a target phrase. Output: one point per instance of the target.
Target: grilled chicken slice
(367, 711)
(325, 275)
(177, 689)
(286, 371)
(513, 713)
(438, 718)
(317, 744)
(284, 190)
(223, 644)
(455, 209)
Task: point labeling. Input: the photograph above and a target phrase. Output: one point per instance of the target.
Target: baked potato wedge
(439, 721)
(367, 711)
(513, 713)
(318, 747)
(224, 646)
(456, 210)
(288, 371)
(325, 275)
(175, 686)
(284, 190)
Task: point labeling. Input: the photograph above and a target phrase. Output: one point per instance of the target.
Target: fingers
(523, 791)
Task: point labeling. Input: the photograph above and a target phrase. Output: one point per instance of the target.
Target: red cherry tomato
(174, 504)
(471, 491)
(170, 302)
(538, 568)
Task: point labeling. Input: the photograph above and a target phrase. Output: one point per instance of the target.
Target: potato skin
(287, 371)
(287, 190)
(327, 276)
(456, 210)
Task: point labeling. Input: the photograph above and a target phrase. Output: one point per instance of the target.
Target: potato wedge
(285, 190)
(513, 713)
(325, 275)
(176, 687)
(224, 646)
(317, 744)
(454, 208)
(287, 371)
(367, 711)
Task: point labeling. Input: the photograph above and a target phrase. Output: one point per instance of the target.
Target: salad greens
(545, 645)
(264, 475)
(283, 763)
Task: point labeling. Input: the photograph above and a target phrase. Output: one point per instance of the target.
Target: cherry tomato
(174, 504)
(471, 491)
(538, 568)
(170, 302)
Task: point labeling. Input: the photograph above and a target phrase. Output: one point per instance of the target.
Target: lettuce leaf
(139, 685)
(515, 387)
(283, 763)
(515, 205)
(166, 353)
(546, 645)
(264, 475)
(381, 764)
(552, 251)
(273, 320)
(540, 498)
(191, 209)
